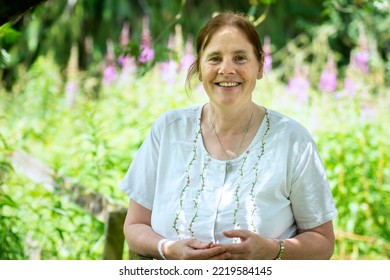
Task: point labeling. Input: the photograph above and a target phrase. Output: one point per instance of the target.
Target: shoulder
(177, 116)
(287, 126)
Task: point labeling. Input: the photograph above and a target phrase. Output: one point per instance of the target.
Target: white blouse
(276, 186)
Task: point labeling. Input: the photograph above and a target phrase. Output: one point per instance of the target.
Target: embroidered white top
(276, 186)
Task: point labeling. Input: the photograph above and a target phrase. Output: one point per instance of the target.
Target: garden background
(83, 80)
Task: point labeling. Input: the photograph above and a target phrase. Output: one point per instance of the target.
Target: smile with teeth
(228, 84)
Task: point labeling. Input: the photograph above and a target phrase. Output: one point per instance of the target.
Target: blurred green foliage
(92, 130)
(94, 140)
(55, 26)
(11, 238)
(8, 36)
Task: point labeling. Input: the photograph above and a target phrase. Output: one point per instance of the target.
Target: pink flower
(350, 87)
(188, 58)
(127, 62)
(328, 80)
(147, 54)
(124, 38)
(146, 39)
(71, 91)
(267, 54)
(299, 85)
(110, 55)
(71, 88)
(169, 71)
(128, 66)
(109, 75)
(186, 61)
(361, 59)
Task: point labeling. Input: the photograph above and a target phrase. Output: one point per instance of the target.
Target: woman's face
(229, 68)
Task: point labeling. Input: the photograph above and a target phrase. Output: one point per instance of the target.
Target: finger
(225, 245)
(223, 256)
(242, 234)
(209, 253)
(233, 252)
(196, 244)
(236, 233)
(237, 256)
(233, 248)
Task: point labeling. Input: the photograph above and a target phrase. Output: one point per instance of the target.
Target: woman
(229, 179)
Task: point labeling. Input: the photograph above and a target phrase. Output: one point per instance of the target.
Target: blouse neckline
(255, 141)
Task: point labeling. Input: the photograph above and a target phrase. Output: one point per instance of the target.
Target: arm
(315, 243)
(141, 238)
(138, 231)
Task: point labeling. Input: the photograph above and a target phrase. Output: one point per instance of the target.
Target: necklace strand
(239, 144)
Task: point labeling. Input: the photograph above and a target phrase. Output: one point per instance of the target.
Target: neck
(233, 121)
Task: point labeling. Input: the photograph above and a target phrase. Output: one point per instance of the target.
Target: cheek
(201, 72)
(253, 74)
(207, 72)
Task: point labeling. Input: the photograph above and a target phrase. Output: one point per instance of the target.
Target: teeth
(228, 84)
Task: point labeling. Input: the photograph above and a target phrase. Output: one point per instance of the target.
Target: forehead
(228, 38)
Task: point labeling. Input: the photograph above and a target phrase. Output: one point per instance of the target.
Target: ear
(261, 67)
(260, 73)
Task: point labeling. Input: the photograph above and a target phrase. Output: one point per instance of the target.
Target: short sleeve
(139, 182)
(311, 197)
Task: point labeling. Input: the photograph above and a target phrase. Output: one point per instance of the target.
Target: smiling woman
(229, 68)
(230, 179)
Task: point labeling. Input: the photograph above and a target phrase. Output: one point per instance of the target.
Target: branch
(262, 17)
(16, 9)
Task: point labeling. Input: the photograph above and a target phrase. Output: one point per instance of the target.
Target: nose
(226, 68)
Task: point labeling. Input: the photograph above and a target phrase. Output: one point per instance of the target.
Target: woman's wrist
(160, 248)
(281, 250)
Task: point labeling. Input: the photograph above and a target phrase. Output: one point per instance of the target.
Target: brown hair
(224, 19)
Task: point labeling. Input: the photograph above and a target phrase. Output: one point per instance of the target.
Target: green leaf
(7, 200)
(5, 58)
(60, 233)
(5, 167)
(8, 35)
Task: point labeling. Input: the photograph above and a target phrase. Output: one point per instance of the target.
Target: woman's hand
(252, 246)
(192, 249)
(309, 244)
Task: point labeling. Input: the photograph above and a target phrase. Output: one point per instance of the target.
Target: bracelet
(281, 250)
(159, 248)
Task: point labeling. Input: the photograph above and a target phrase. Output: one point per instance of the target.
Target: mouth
(227, 84)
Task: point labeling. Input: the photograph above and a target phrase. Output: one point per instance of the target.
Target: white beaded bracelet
(159, 248)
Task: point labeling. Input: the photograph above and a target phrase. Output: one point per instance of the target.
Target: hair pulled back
(204, 36)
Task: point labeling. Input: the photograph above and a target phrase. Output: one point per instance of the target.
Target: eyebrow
(240, 51)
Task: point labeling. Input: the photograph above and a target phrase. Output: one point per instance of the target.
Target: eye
(215, 59)
(240, 58)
